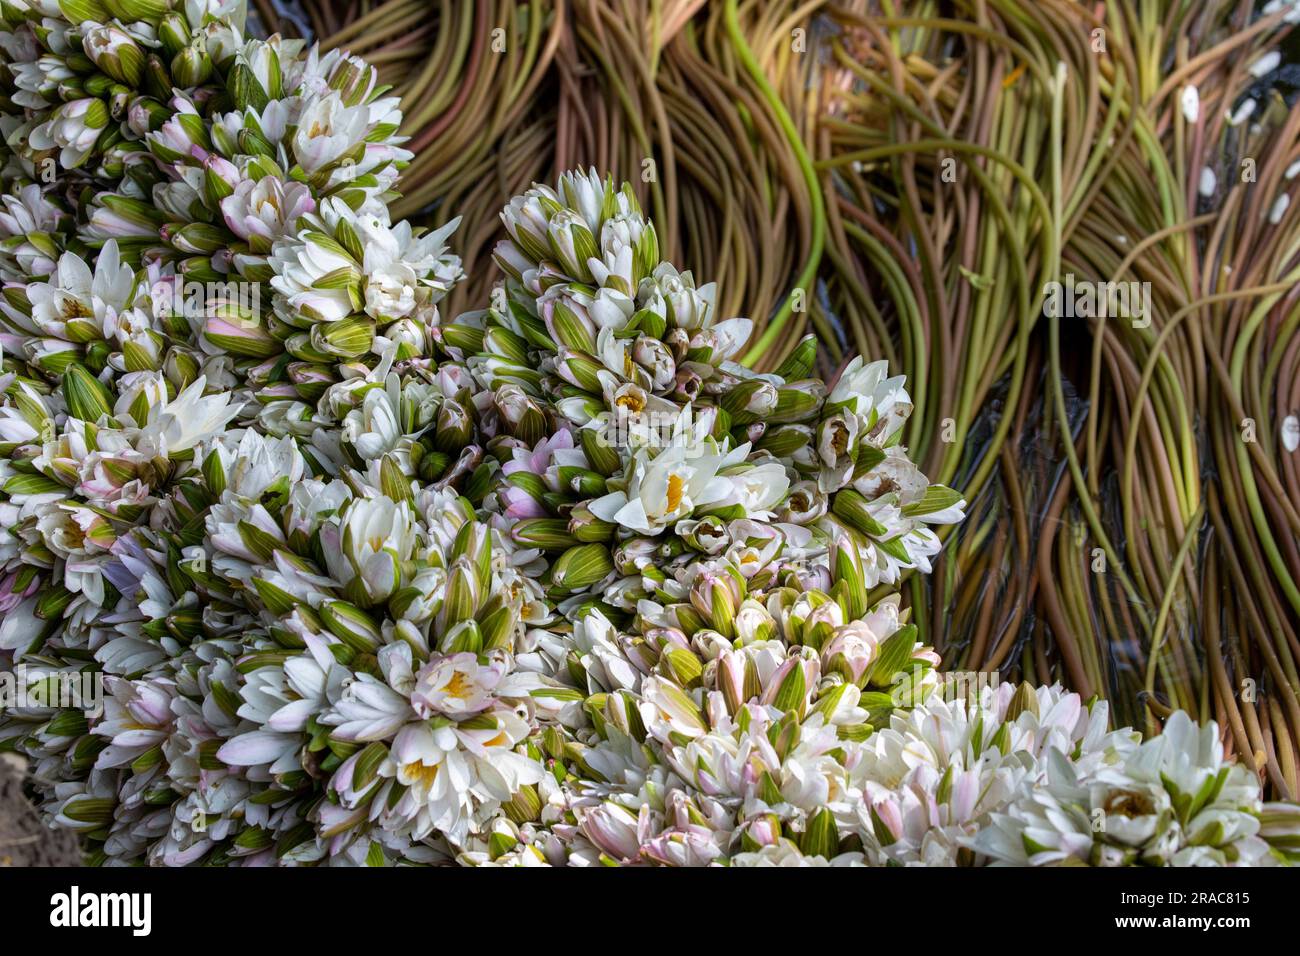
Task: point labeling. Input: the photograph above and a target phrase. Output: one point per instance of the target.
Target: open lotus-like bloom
(664, 489)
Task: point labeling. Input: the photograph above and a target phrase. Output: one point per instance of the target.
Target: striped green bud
(86, 396)
(581, 566)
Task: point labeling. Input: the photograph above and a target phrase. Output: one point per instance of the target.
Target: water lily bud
(310, 380)
(821, 838)
(240, 337)
(586, 528)
(714, 596)
(847, 570)
(601, 454)
(784, 736)
(893, 656)
(738, 679)
(798, 401)
(1025, 700)
(157, 80)
(750, 401)
(455, 428)
(580, 369)
(526, 219)
(191, 66)
(761, 831)
(393, 482)
(652, 324)
(86, 397)
(462, 594)
(525, 806)
(850, 652)
(567, 322)
(465, 338)
(498, 626)
(353, 626)
(581, 481)
(128, 10)
(354, 79)
(580, 409)
(346, 338)
(854, 509)
(174, 33)
(682, 666)
(581, 567)
(799, 363)
(496, 340)
(784, 441)
(464, 637)
(549, 534)
(572, 244)
(199, 238)
(115, 52)
(754, 623)
(522, 417)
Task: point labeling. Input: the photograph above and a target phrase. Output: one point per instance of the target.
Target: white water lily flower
(448, 771)
(881, 403)
(300, 263)
(73, 129)
(187, 420)
(665, 488)
(374, 537)
(759, 489)
(265, 211)
(374, 427)
(28, 221)
(328, 130)
(405, 274)
(76, 294)
(457, 685)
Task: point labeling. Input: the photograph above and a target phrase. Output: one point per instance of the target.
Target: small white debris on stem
(1291, 433)
(1243, 113)
(1209, 181)
(1266, 64)
(1279, 208)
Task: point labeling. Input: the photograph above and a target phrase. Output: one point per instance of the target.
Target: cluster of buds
(591, 322)
(626, 437)
(86, 77)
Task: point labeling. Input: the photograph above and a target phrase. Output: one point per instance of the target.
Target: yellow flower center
(630, 401)
(421, 773)
(675, 488)
(459, 686)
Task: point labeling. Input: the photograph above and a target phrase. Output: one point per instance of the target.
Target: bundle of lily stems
(354, 511)
(920, 171)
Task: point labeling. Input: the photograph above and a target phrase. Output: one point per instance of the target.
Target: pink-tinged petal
(248, 750)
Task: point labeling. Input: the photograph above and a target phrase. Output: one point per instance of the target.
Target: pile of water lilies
(555, 582)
